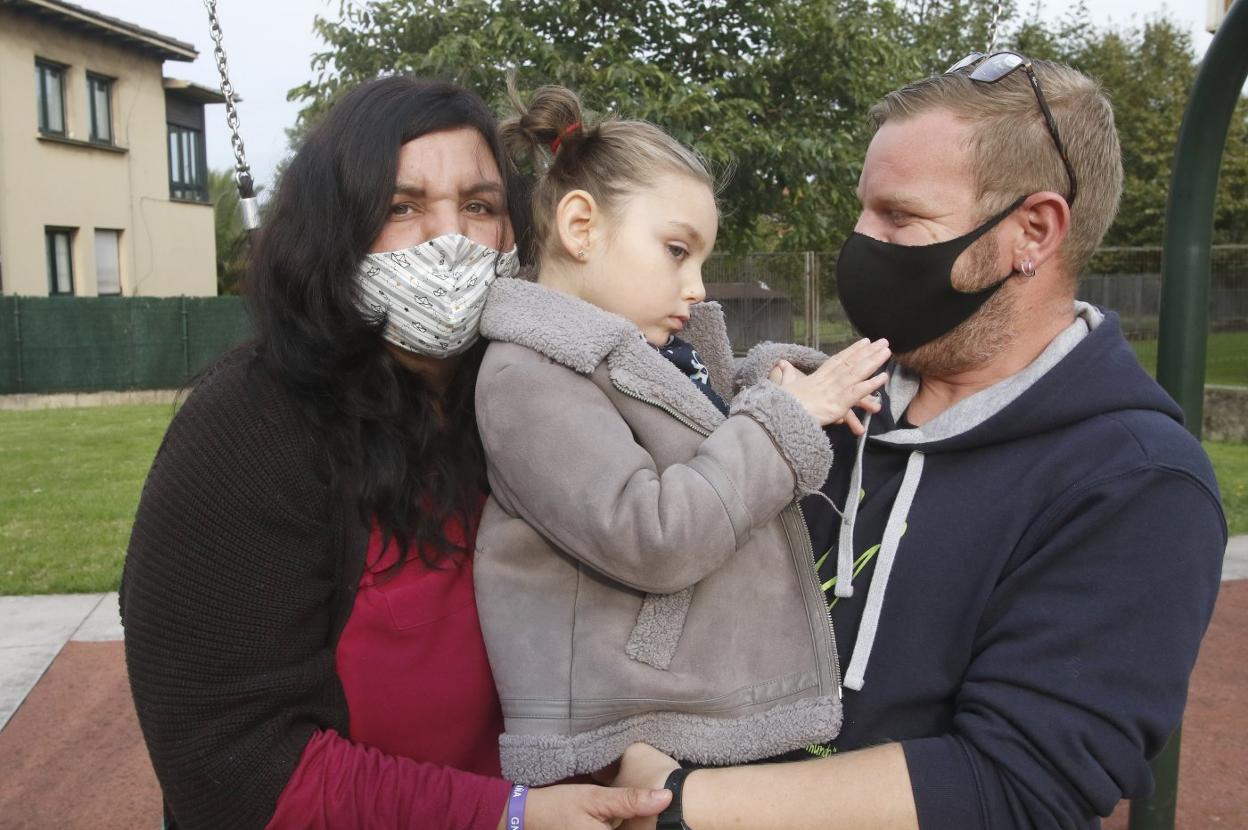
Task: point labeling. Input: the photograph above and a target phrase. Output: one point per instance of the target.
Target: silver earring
(1028, 268)
(580, 254)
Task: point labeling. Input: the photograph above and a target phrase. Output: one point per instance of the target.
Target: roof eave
(192, 91)
(130, 35)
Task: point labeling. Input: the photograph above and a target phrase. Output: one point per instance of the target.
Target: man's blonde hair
(1012, 153)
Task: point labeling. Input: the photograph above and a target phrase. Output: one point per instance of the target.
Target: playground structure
(1184, 323)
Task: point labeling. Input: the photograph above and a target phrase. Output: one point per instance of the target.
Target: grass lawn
(69, 485)
(1226, 361)
(1230, 461)
(70, 482)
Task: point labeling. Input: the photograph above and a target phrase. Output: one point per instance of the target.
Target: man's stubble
(985, 334)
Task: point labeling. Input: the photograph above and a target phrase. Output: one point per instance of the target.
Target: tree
(773, 92)
(1148, 72)
(231, 236)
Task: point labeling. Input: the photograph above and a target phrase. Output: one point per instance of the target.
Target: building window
(187, 179)
(100, 94)
(60, 260)
(107, 262)
(50, 94)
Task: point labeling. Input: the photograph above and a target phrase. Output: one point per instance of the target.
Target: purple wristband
(515, 806)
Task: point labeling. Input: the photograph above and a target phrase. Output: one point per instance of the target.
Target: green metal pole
(1158, 810)
(1185, 291)
(1189, 215)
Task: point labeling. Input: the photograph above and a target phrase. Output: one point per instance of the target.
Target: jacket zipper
(679, 417)
(812, 572)
(823, 601)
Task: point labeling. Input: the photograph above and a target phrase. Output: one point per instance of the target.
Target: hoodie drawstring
(845, 544)
(855, 675)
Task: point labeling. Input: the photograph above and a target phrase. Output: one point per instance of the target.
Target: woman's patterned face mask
(432, 295)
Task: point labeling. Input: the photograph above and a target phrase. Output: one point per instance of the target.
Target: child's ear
(575, 220)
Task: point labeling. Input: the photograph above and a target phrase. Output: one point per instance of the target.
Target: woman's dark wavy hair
(405, 466)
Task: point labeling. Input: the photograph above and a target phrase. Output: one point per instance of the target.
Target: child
(643, 571)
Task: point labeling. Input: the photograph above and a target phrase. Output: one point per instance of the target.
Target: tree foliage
(773, 92)
(1148, 72)
(231, 236)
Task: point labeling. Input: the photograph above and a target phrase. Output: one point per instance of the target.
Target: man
(1049, 534)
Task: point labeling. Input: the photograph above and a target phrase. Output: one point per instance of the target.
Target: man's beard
(982, 336)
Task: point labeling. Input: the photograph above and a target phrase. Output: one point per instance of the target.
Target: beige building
(103, 173)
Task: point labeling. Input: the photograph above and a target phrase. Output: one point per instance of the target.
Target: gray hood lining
(969, 413)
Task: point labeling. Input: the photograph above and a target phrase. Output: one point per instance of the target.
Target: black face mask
(905, 293)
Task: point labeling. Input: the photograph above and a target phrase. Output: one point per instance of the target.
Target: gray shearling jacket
(643, 571)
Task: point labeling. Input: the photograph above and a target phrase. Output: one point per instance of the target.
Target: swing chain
(992, 31)
(242, 171)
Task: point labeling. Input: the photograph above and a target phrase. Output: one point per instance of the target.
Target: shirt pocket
(427, 596)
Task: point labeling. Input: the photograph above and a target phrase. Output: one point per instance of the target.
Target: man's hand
(867, 789)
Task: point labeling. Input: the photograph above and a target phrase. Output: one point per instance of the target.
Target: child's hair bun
(552, 119)
(570, 149)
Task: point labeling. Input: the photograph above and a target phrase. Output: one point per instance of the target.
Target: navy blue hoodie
(1057, 555)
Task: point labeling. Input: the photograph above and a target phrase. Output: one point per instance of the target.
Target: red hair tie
(554, 145)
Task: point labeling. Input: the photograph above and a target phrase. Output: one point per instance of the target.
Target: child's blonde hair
(608, 159)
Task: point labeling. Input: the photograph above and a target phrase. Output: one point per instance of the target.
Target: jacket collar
(580, 335)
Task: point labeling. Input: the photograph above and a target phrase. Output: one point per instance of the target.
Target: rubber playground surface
(71, 754)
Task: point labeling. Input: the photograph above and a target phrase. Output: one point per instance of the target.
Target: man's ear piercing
(1028, 268)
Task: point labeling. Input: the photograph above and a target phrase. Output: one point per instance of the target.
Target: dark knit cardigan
(240, 574)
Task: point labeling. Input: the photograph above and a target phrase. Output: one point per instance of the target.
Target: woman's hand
(844, 381)
(589, 807)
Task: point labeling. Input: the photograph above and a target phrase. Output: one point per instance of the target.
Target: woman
(301, 637)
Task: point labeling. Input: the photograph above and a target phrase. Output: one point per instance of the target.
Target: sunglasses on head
(988, 69)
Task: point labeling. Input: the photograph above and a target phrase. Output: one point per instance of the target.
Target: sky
(269, 44)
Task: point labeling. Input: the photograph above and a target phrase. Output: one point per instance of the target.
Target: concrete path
(1235, 565)
(34, 629)
(76, 400)
(71, 754)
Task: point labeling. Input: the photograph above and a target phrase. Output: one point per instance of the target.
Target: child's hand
(844, 381)
(588, 807)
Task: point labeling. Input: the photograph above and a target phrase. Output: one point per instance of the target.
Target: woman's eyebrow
(478, 188)
(483, 187)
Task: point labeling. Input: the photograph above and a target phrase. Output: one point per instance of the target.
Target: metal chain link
(992, 31)
(242, 171)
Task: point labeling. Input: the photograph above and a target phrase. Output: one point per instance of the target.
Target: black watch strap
(673, 817)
